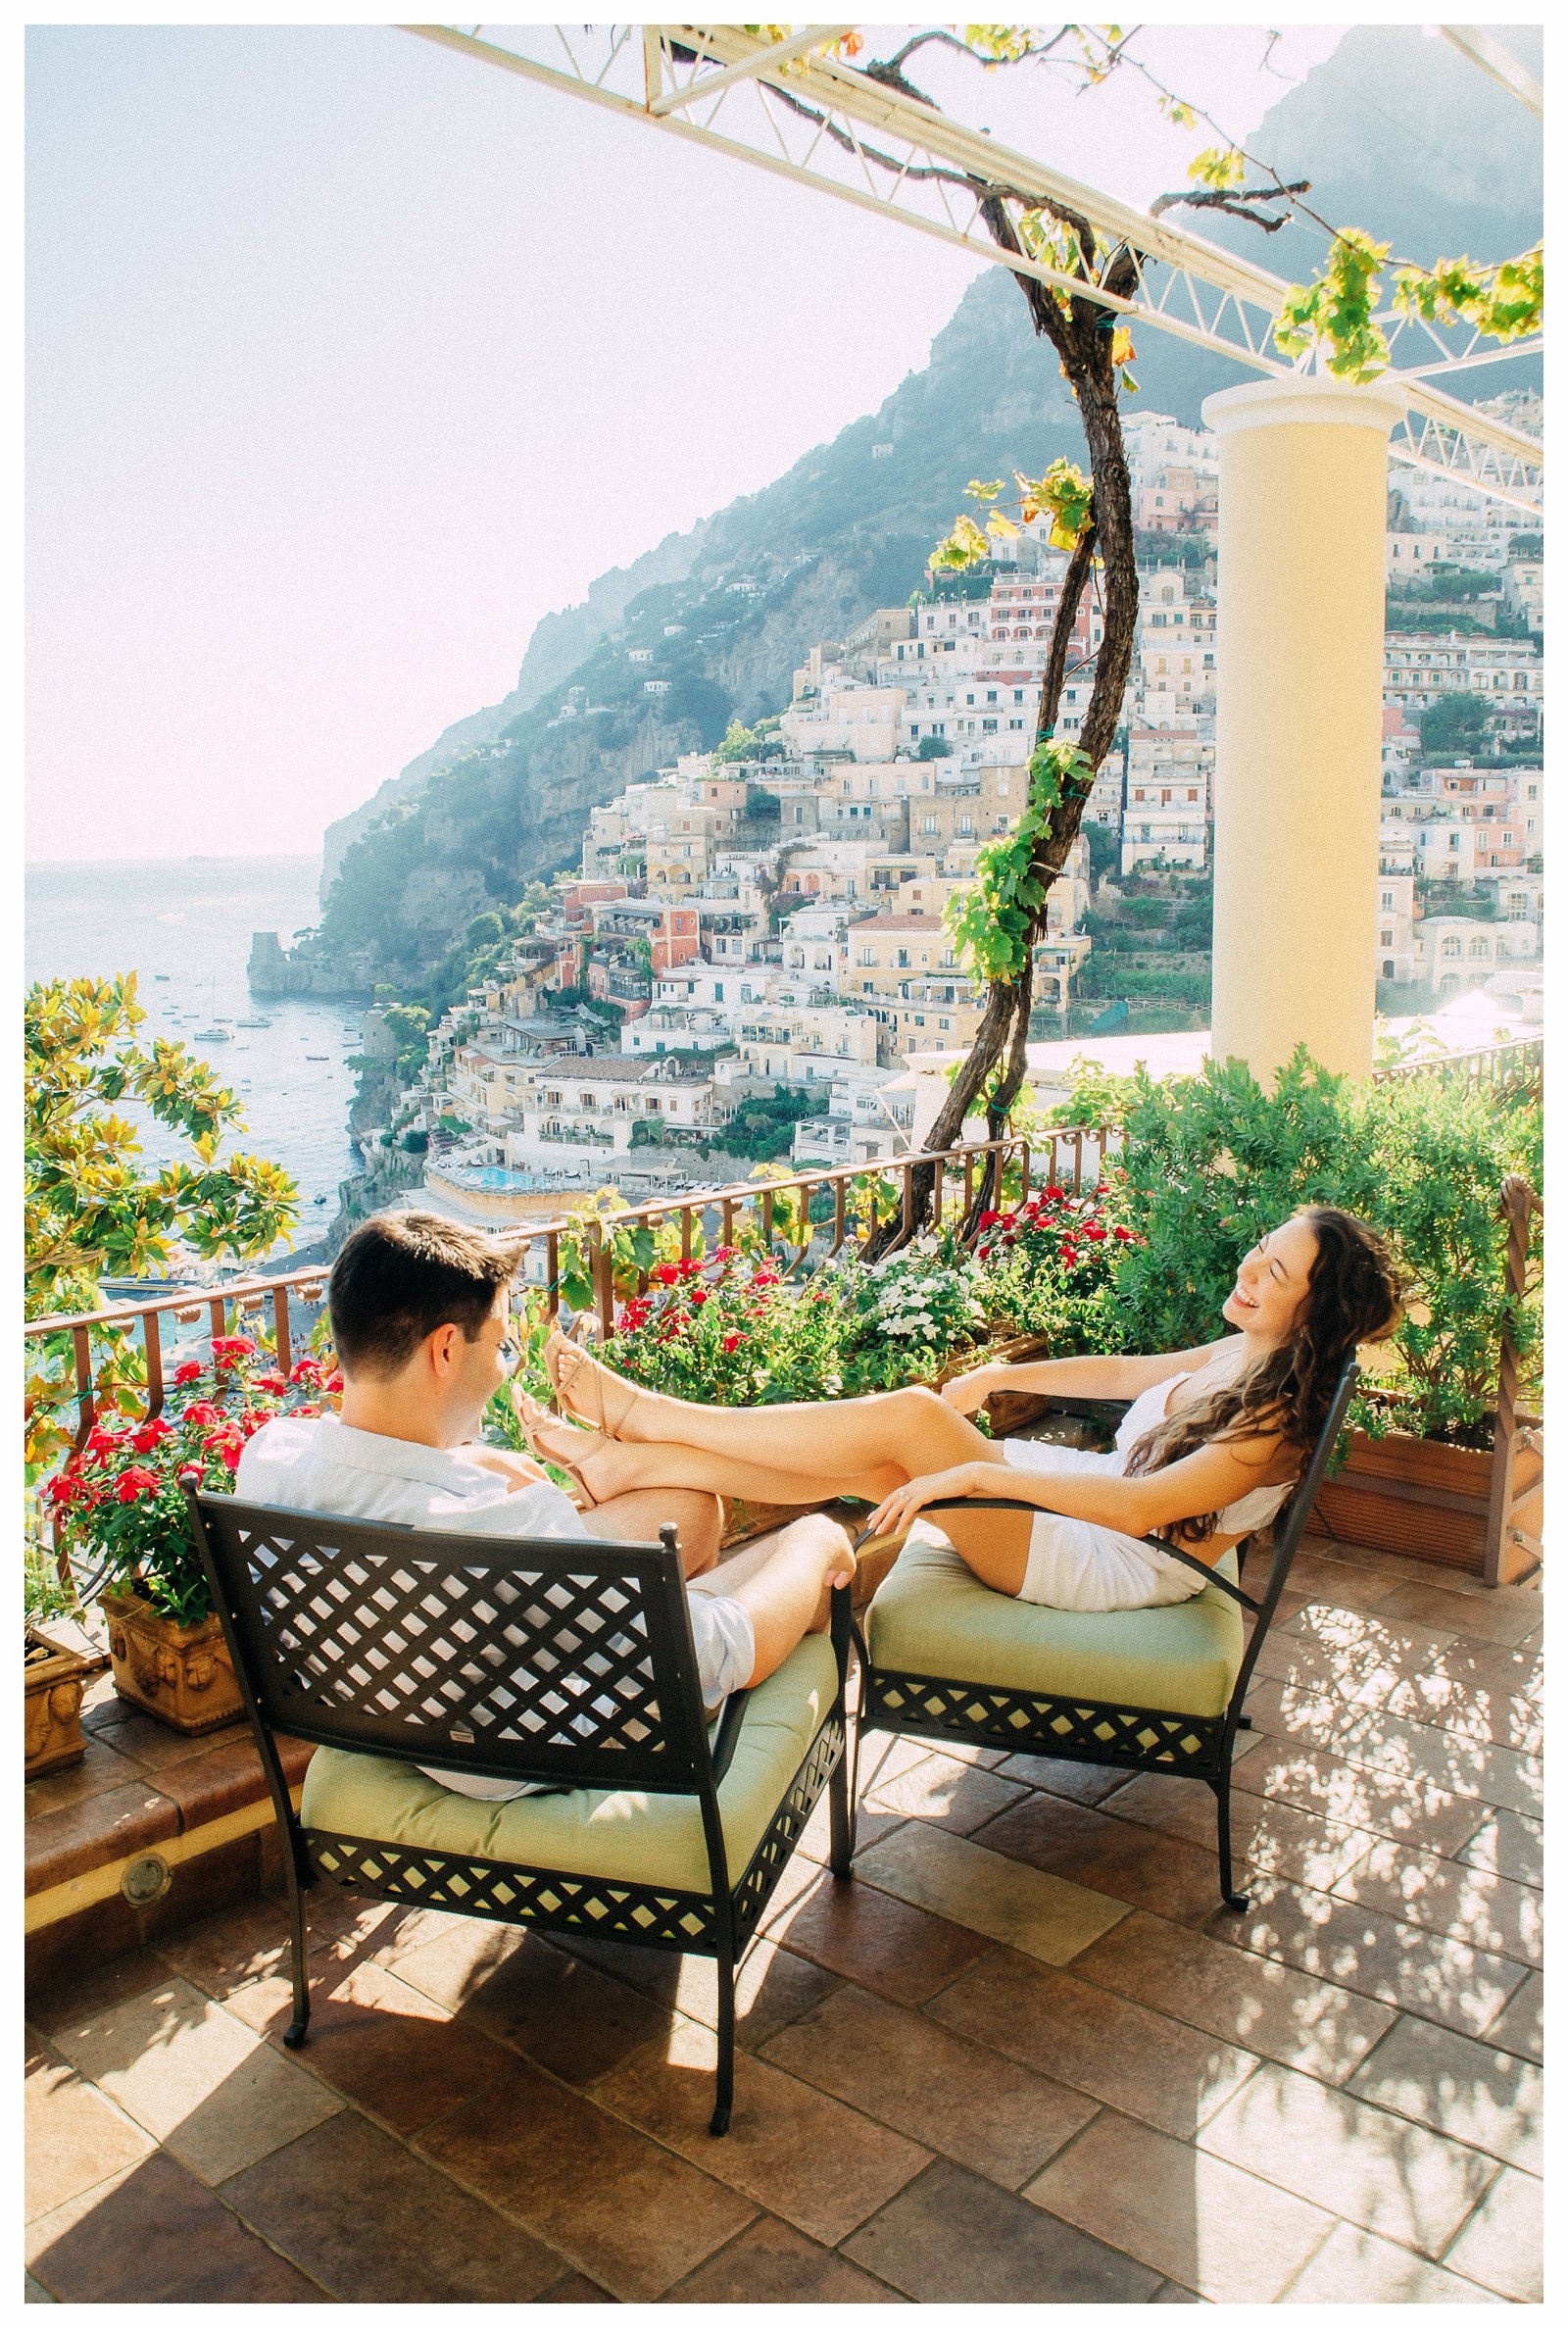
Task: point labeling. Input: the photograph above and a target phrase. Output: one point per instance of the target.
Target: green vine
(1336, 311)
(993, 924)
(1064, 491)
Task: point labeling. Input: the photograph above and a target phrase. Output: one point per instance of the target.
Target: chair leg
(1222, 1798)
(1243, 1721)
(724, 2099)
(840, 1816)
(299, 1959)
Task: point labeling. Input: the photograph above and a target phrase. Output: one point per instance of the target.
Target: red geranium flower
(989, 1219)
(334, 1385)
(1056, 1195)
(666, 1273)
(190, 1371)
(1125, 1234)
(152, 1431)
(1096, 1235)
(308, 1369)
(190, 1475)
(699, 1296)
(731, 1342)
(229, 1349)
(136, 1480)
(203, 1413)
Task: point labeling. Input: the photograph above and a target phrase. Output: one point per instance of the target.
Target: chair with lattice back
(566, 1663)
(1138, 1690)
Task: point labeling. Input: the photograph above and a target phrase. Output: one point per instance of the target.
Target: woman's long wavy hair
(1353, 1296)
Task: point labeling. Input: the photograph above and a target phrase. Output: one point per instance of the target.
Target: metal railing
(1488, 1062)
(839, 1205)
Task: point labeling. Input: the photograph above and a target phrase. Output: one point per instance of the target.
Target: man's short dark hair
(402, 1275)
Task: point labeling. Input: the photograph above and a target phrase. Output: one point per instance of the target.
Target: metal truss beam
(823, 124)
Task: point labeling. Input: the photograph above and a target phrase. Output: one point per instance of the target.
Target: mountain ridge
(838, 522)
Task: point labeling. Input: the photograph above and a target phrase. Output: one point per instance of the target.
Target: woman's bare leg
(911, 1430)
(615, 1468)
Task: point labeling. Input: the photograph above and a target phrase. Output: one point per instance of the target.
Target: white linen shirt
(317, 1464)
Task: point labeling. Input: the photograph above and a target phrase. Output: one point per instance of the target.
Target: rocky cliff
(1399, 134)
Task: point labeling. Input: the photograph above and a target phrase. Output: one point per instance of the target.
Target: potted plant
(120, 1505)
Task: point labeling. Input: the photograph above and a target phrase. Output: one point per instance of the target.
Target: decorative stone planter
(1431, 1501)
(179, 1674)
(55, 1675)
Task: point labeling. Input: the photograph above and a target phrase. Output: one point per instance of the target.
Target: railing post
(282, 1344)
(1511, 1554)
(153, 1344)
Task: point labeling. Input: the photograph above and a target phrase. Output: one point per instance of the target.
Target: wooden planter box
(1431, 1501)
(179, 1674)
(53, 1678)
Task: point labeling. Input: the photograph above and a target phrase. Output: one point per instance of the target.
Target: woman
(1208, 1451)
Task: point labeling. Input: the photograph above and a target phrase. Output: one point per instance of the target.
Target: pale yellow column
(1302, 508)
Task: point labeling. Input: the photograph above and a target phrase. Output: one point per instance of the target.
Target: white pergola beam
(1212, 298)
(1475, 44)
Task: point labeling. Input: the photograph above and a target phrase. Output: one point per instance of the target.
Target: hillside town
(751, 958)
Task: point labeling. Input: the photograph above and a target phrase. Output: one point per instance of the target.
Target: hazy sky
(349, 359)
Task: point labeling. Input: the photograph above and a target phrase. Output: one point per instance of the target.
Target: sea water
(185, 926)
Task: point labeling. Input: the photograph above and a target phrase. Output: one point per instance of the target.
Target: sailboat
(213, 1033)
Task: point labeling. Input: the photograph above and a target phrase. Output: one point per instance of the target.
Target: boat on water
(253, 1022)
(212, 1034)
(321, 1056)
(161, 977)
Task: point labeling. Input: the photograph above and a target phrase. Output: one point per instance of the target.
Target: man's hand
(970, 1392)
(897, 1512)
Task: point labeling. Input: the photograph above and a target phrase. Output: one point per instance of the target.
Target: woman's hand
(897, 1512)
(970, 1392)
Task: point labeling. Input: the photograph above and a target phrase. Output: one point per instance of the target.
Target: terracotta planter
(1418, 1497)
(180, 1674)
(55, 1675)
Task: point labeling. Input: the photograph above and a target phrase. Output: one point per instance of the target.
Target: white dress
(1077, 1563)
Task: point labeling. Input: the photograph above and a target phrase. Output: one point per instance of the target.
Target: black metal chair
(961, 1635)
(567, 1663)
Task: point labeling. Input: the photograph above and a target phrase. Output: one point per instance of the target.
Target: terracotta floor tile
(1517, 2029)
(1074, 1782)
(575, 2288)
(1500, 2247)
(631, 2215)
(1379, 2171)
(772, 1986)
(72, 2137)
(1275, 1838)
(1354, 2266)
(1302, 1712)
(377, 2225)
(558, 2010)
(1473, 1709)
(959, 1795)
(953, 2238)
(1490, 2100)
(381, 2044)
(1350, 1670)
(1265, 2007)
(954, 2097)
(1507, 1616)
(1167, 1876)
(60, 1844)
(871, 1937)
(1419, 1752)
(1469, 1903)
(790, 2148)
(156, 2234)
(1205, 2223)
(1152, 2068)
(196, 2078)
(99, 1769)
(1423, 1972)
(771, 2263)
(1339, 1584)
(814, 1840)
(250, 1942)
(95, 1989)
(153, 1746)
(1510, 1842)
(1044, 1916)
(34, 2291)
(1487, 1669)
(1395, 1802)
(1404, 1644)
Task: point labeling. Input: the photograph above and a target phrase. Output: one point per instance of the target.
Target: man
(419, 1315)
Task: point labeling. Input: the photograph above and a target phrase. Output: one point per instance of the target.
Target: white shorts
(1078, 1565)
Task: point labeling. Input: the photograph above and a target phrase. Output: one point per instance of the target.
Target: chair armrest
(1171, 1552)
(722, 1751)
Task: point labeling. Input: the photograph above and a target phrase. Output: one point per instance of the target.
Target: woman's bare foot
(601, 1468)
(603, 1399)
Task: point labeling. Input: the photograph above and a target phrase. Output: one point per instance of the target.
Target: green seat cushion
(933, 1616)
(628, 1836)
